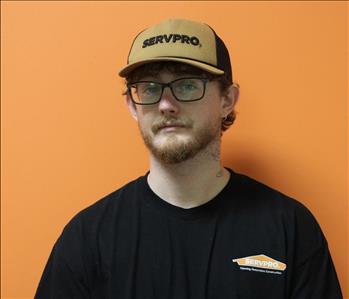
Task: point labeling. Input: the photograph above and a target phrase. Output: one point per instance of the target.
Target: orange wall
(67, 138)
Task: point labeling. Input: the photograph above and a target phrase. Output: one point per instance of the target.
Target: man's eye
(188, 86)
(150, 90)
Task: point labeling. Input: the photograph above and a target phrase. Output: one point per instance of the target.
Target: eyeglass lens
(186, 89)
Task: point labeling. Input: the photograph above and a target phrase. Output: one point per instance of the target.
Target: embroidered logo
(167, 38)
(260, 263)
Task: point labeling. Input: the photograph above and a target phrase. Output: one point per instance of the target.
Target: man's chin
(172, 156)
(173, 149)
(169, 140)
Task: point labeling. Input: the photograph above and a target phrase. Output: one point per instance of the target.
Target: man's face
(176, 131)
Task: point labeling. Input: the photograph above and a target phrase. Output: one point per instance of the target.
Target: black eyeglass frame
(169, 85)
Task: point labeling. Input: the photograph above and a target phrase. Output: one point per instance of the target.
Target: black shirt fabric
(132, 244)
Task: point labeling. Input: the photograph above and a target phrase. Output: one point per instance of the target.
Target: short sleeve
(316, 278)
(65, 275)
(314, 275)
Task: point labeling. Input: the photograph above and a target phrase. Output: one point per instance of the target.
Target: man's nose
(168, 104)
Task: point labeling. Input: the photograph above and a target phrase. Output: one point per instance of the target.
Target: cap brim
(206, 67)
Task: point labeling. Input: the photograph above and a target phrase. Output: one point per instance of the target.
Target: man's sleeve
(65, 276)
(316, 278)
(314, 275)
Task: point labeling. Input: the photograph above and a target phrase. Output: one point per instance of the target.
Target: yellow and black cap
(183, 41)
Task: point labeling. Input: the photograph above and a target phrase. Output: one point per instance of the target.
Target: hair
(178, 68)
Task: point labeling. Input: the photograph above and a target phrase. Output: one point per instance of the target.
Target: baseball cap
(180, 40)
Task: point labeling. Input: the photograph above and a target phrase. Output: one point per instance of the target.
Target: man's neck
(190, 183)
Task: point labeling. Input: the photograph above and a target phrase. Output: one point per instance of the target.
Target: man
(189, 228)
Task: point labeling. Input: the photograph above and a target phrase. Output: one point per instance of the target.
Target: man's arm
(313, 274)
(60, 281)
(316, 277)
(66, 274)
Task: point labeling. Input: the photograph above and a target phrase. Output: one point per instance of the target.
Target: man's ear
(131, 107)
(230, 98)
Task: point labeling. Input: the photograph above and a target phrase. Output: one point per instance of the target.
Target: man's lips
(170, 127)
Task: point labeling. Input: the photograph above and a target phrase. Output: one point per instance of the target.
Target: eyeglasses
(183, 90)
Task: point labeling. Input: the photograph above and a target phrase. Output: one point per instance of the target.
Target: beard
(175, 149)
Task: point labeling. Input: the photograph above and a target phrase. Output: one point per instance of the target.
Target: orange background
(68, 140)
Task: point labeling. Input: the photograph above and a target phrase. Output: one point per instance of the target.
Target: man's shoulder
(123, 199)
(261, 199)
(122, 195)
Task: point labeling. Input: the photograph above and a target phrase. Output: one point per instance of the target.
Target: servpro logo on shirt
(260, 262)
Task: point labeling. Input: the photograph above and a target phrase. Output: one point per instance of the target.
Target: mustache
(170, 121)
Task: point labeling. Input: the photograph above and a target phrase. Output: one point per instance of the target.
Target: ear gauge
(229, 118)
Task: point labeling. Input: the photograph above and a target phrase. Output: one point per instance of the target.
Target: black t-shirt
(248, 242)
